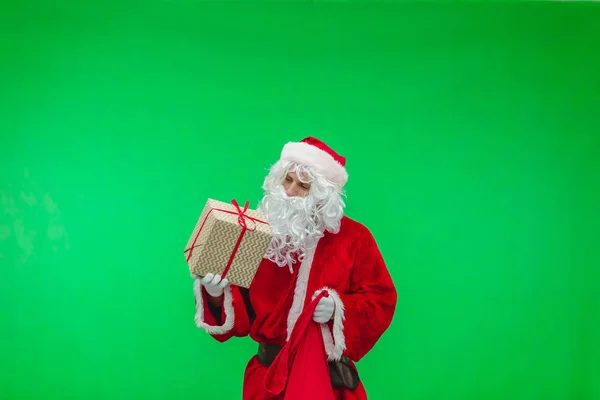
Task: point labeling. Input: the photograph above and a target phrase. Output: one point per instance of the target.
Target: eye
(288, 178)
(305, 186)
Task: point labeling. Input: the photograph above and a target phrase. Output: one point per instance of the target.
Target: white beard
(294, 225)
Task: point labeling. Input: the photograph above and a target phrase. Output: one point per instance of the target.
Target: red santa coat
(348, 265)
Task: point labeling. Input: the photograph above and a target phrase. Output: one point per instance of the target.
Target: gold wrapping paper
(215, 237)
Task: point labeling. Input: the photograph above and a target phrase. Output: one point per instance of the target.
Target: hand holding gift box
(229, 241)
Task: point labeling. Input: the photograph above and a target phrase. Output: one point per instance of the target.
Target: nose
(292, 190)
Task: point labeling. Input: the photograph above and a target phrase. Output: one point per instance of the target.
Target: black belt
(341, 372)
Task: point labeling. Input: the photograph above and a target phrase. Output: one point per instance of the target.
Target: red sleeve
(234, 317)
(365, 311)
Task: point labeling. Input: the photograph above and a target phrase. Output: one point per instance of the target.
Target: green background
(472, 137)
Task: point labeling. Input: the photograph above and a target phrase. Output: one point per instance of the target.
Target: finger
(206, 280)
(216, 280)
(223, 283)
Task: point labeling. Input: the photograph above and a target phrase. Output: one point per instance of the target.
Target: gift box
(228, 240)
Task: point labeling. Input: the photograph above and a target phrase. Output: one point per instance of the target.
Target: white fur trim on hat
(311, 156)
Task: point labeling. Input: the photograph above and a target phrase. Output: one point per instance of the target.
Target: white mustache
(293, 225)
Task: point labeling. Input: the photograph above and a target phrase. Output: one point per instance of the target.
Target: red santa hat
(314, 153)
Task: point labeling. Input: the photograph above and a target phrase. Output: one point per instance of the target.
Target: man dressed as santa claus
(315, 247)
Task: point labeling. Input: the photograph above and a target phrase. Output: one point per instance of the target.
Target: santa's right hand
(214, 285)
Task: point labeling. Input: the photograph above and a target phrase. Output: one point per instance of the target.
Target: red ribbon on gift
(242, 216)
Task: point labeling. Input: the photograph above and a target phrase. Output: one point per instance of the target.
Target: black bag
(343, 375)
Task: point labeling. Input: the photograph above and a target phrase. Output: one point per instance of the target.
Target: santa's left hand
(324, 310)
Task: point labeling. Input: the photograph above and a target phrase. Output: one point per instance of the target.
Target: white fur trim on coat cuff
(227, 304)
(335, 344)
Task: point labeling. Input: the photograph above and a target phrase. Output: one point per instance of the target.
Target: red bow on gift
(301, 369)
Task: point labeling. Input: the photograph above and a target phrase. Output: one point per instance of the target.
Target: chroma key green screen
(472, 134)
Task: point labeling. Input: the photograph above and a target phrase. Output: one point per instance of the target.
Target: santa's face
(290, 211)
(294, 186)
